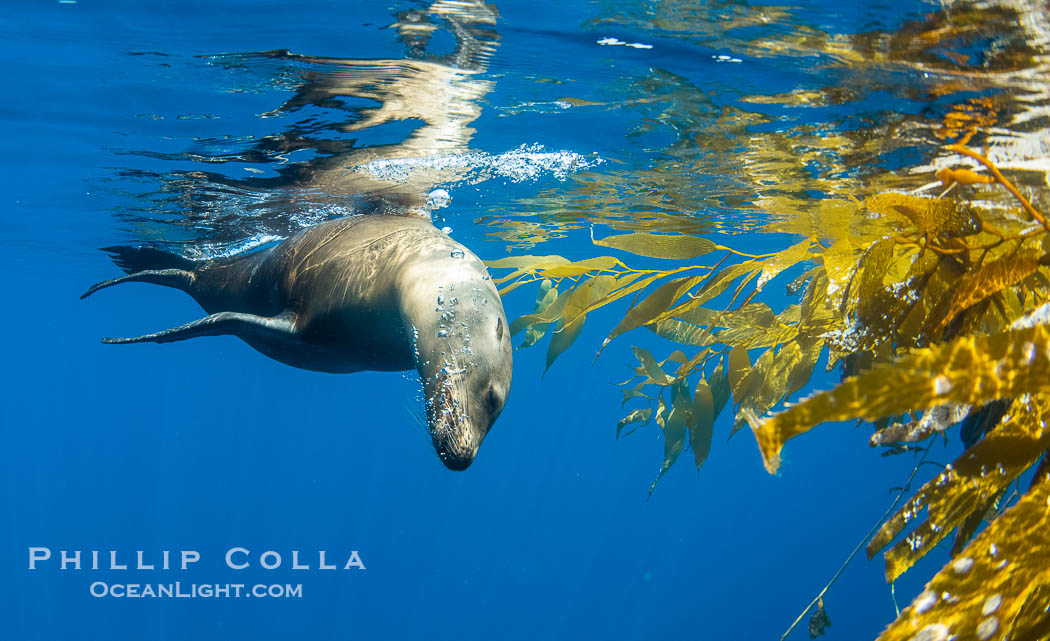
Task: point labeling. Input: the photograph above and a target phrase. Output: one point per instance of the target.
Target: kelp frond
(971, 370)
(935, 308)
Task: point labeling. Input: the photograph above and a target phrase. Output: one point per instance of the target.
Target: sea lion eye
(499, 329)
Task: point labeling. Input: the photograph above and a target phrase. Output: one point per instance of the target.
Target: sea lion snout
(457, 434)
(457, 462)
(458, 424)
(457, 443)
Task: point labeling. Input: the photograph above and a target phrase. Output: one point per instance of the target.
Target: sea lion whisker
(418, 422)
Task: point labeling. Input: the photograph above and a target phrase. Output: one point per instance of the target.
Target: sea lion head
(462, 348)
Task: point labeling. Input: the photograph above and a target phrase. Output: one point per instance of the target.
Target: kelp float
(937, 310)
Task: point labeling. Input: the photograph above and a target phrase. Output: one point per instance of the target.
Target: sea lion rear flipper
(149, 265)
(178, 278)
(222, 324)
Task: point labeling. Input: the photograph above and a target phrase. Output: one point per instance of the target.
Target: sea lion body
(359, 293)
(342, 281)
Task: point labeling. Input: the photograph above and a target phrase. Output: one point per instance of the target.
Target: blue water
(113, 112)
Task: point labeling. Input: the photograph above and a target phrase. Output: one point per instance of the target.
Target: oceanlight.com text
(180, 590)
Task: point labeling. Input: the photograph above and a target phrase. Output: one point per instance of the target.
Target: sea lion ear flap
(499, 329)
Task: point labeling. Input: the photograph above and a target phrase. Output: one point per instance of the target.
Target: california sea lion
(359, 293)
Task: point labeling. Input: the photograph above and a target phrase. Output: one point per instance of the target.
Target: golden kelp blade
(651, 367)
(783, 260)
(966, 486)
(702, 423)
(555, 310)
(997, 588)
(624, 285)
(683, 333)
(839, 265)
(581, 267)
(715, 285)
(579, 300)
(524, 265)
(544, 299)
(549, 314)
(636, 416)
(654, 304)
(868, 297)
(658, 245)
(978, 285)
(550, 266)
(751, 326)
(739, 372)
(675, 428)
(928, 215)
(971, 370)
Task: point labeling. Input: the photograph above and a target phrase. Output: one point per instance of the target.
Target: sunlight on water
(858, 107)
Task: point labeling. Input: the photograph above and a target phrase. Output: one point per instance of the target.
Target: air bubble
(457, 253)
(987, 628)
(992, 604)
(942, 385)
(963, 565)
(932, 632)
(438, 199)
(925, 601)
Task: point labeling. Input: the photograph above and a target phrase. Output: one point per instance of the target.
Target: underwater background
(214, 128)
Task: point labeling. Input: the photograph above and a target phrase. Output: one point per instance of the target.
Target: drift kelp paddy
(912, 177)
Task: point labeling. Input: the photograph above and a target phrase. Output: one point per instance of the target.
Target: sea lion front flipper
(222, 324)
